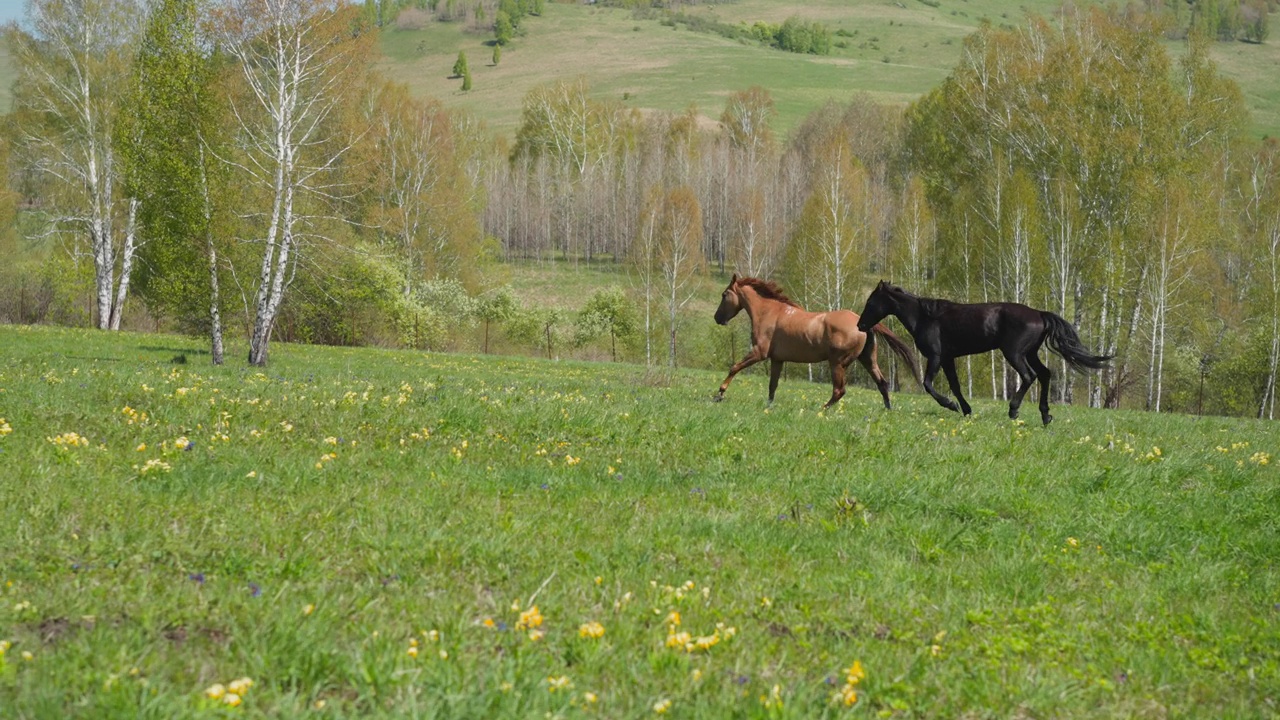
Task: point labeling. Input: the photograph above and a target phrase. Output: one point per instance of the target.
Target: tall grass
(360, 531)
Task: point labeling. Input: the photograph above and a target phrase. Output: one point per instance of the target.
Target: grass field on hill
(366, 533)
(897, 52)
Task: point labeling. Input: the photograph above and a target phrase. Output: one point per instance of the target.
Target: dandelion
(673, 619)
(855, 673)
(432, 635)
(240, 686)
(536, 635)
(215, 691)
(847, 696)
(308, 608)
(593, 630)
(232, 699)
(488, 622)
(590, 698)
(142, 447)
(1073, 542)
(5, 429)
(412, 651)
(678, 639)
(571, 460)
(662, 706)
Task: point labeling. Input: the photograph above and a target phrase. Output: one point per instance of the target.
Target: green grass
(976, 568)
(898, 51)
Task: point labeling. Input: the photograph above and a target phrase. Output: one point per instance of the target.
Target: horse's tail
(901, 349)
(1063, 340)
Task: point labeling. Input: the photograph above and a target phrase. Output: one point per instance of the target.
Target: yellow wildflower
(232, 699)
(215, 691)
(662, 706)
(593, 630)
(590, 698)
(559, 683)
(673, 619)
(530, 618)
(308, 608)
(412, 651)
(855, 673)
(240, 686)
(536, 635)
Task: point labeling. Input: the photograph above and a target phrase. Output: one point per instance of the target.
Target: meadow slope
(893, 51)
(365, 533)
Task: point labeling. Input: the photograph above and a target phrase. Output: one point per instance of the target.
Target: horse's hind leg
(1025, 377)
(868, 360)
(949, 367)
(1042, 371)
(775, 372)
(837, 382)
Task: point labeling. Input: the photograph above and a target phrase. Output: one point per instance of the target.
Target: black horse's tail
(902, 350)
(1063, 340)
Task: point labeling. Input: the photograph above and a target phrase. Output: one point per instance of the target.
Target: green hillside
(894, 51)
(366, 533)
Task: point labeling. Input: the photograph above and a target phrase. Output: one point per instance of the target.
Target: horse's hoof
(717, 398)
(1047, 419)
(1013, 414)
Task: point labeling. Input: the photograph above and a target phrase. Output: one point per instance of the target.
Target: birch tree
(299, 60)
(72, 75)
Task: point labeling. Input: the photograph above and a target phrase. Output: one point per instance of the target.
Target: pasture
(365, 533)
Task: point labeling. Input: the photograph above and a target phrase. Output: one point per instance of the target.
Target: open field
(359, 532)
(896, 52)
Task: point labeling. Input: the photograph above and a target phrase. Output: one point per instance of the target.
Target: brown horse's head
(880, 304)
(730, 302)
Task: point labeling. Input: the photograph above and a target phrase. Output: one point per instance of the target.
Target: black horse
(945, 330)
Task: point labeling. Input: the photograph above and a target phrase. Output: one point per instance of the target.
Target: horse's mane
(930, 307)
(768, 289)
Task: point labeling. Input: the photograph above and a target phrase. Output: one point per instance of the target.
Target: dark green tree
(503, 30)
(460, 65)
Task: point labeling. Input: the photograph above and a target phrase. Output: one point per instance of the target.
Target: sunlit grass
(366, 533)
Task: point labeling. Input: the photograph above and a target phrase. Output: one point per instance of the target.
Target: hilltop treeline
(248, 170)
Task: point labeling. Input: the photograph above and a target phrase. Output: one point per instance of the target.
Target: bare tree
(73, 68)
(299, 60)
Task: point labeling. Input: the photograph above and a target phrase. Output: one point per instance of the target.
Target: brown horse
(782, 331)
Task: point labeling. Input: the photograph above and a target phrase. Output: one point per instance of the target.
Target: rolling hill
(894, 51)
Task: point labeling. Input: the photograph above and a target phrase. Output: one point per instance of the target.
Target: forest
(242, 167)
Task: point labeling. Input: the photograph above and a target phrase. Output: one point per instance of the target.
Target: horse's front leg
(949, 367)
(753, 357)
(932, 364)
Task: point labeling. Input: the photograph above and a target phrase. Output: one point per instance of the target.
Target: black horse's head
(730, 302)
(880, 304)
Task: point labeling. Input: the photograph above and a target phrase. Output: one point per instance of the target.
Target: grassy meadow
(895, 53)
(366, 533)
